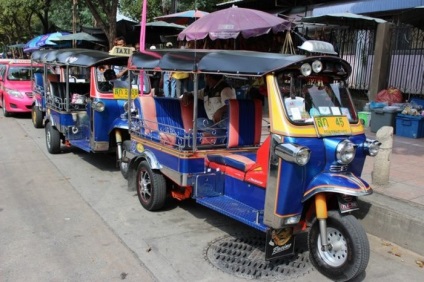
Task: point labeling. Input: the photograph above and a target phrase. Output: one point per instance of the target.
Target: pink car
(15, 86)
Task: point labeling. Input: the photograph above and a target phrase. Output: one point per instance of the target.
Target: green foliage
(104, 13)
(204, 5)
(61, 15)
(155, 8)
(132, 9)
(21, 20)
(16, 20)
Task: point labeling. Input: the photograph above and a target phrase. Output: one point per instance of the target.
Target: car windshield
(21, 72)
(306, 97)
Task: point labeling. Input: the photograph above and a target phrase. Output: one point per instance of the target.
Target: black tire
(37, 117)
(5, 112)
(351, 251)
(124, 166)
(151, 187)
(52, 139)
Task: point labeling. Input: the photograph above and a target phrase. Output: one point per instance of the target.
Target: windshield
(306, 97)
(106, 83)
(21, 73)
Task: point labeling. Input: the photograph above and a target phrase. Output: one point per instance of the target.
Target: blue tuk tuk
(84, 108)
(38, 107)
(297, 172)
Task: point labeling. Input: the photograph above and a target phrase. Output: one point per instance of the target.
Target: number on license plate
(332, 125)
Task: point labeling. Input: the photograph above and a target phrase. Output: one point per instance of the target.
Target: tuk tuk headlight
(372, 147)
(345, 152)
(126, 106)
(293, 153)
(130, 107)
(306, 69)
(98, 106)
(317, 66)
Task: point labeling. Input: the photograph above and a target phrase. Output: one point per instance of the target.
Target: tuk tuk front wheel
(349, 253)
(52, 139)
(151, 187)
(37, 117)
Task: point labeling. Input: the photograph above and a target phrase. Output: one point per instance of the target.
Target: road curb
(394, 220)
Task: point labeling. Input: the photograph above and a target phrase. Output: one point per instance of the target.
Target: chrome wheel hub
(337, 253)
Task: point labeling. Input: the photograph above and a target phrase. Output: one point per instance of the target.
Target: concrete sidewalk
(395, 211)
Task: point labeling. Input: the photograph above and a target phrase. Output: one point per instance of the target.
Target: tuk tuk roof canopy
(77, 57)
(248, 63)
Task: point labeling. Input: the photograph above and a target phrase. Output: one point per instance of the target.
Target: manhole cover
(244, 256)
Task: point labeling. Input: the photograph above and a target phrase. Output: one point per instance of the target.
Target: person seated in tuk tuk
(214, 96)
(111, 81)
(100, 71)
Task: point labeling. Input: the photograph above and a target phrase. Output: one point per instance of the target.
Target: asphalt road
(70, 217)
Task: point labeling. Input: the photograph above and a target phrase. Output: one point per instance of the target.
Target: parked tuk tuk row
(78, 105)
(291, 169)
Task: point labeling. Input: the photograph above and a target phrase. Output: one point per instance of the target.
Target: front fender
(118, 123)
(136, 157)
(342, 183)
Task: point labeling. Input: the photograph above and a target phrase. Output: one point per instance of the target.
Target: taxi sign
(332, 125)
(122, 51)
(122, 93)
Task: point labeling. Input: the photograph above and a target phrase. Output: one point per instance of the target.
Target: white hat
(152, 47)
(169, 44)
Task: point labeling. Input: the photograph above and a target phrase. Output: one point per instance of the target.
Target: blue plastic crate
(418, 101)
(410, 126)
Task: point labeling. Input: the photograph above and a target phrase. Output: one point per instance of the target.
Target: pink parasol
(232, 22)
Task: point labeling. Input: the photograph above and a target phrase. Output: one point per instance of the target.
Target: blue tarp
(366, 6)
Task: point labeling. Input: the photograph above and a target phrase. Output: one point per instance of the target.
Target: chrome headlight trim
(317, 66)
(306, 69)
(345, 152)
(293, 153)
(98, 106)
(126, 106)
(371, 147)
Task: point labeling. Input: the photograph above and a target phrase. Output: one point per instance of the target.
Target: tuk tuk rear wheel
(52, 139)
(151, 187)
(37, 117)
(349, 253)
(124, 166)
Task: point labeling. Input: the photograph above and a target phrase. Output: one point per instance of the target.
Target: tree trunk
(108, 24)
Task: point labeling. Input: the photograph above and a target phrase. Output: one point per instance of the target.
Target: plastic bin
(418, 101)
(383, 117)
(409, 126)
(365, 118)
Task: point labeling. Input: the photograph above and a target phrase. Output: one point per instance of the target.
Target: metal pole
(143, 41)
(74, 20)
